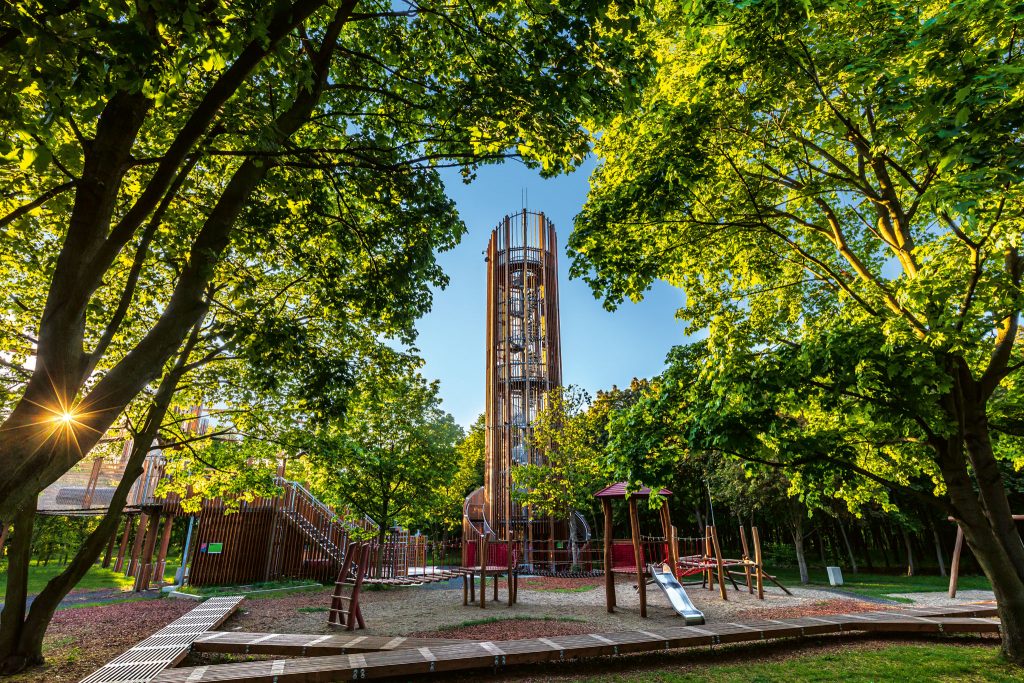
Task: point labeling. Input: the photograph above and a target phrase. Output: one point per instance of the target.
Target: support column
(139, 534)
(641, 574)
(110, 548)
(609, 574)
(758, 562)
(161, 556)
(129, 522)
(144, 562)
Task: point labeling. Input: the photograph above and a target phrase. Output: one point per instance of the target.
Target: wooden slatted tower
(523, 363)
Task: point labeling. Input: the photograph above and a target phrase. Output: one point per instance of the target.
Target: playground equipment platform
(407, 657)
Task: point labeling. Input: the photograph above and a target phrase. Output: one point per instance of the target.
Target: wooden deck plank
(468, 655)
(168, 646)
(302, 645)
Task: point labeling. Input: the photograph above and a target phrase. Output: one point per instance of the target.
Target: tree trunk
(984, 512)
(382, 536)
(796, 525)
(909, 549)
(821, 548)
(938, 550)
(23, 647)
(883, 543)
(849, 548)
(13, 615)
(862, 538)
(574, 543)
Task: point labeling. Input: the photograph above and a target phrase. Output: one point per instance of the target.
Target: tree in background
(844, 217)
(391, 456)
(469, 476)
(570, 440)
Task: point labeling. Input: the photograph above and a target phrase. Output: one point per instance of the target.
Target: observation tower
(523, 363)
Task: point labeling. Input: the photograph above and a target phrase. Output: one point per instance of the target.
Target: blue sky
(599, 348)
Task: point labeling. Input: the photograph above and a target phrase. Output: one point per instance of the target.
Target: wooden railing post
(758, 562)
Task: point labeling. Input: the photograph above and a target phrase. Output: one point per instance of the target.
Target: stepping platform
(469, 655)
(166, 647)
(305, 645)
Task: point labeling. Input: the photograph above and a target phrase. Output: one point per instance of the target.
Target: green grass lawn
(242, 589)
(882, 585)
(97, 578)
(911, 662)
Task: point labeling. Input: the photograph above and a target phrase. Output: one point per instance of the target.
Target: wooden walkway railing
(469, 655)
(166, 647)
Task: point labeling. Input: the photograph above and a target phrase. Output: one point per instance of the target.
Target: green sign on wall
(215, 548)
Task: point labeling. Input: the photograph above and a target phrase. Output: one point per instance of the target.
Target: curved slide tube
(673, 590)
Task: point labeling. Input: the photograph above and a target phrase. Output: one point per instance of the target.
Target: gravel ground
(408, 610)
(940, 599)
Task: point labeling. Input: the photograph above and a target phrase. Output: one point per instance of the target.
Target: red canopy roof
(619, 491)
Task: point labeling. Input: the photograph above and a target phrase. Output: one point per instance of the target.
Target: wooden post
(757, 561)
(708, 573)
(483, 571)
(609, 574)
(511, 567)
(106, 553)
(954, 567)
(718, 561)
(675, 550)
(746, 558)
(641, 583)
(161, 556)
(129, 523)
(140, 534)
(144, 562)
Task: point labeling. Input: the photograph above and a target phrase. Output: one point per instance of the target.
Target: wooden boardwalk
(166, 647)
(469, 655)
(304, 644)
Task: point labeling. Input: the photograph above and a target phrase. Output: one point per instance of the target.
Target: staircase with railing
(324, 534)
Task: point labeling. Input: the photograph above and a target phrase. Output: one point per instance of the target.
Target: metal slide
(673, 590)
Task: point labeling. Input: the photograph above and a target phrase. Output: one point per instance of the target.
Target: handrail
(332, 516)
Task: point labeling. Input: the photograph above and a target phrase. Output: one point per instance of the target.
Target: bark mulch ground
(83, 639)
(814, 609)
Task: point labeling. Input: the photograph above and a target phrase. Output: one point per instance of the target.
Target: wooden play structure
(703, 557)
(344, 611)
(494, 559)
(614, 564)
(682, 557)
(349, 657)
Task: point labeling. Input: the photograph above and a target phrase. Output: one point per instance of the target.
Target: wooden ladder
(344, 611)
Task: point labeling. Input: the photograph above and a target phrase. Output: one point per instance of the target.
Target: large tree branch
(35, 203)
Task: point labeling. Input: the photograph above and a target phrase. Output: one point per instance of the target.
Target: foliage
(146, 148)
(570, 439)
(390, 457)
(235, 471)
(844, 217)
(469, 476)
